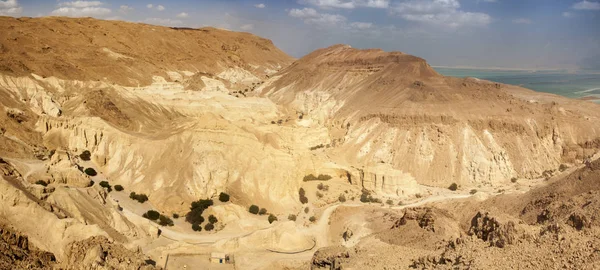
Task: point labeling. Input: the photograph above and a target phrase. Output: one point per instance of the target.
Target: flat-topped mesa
(124, 53)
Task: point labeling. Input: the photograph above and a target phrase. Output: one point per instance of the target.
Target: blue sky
(476, 33)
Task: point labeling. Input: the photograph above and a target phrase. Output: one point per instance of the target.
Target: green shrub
(342, 198)
(196, 210)
(41, 182)
(253, 209)
(209, 227)
(90, 172)
(473, 191)
(141, 198)
(223, 197)
(165, 221)
(196, 227)
(85, 155)
(292, 217)
(321, 177)
(262, 211)
(119, 188)
(212, 219)
(272, 218)
(151, 215)
(312, 219)
(453, 187)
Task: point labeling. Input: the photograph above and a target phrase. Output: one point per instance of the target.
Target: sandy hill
(127, 53)
(393, 108)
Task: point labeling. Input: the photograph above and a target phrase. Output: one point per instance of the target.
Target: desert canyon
(135, 146)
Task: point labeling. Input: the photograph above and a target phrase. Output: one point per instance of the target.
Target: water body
(572, 85)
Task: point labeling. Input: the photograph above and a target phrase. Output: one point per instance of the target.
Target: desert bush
(85, 155)
(223, 197)
(513, 180)
(91, 183)
(306, 210)
(342, 198)
(196, 227)
(292, 217)
(272, 218)
(302, 195)
(212, 219)
(319, 195)
(141, 198)
(473, 191)
(389, 202)
(365, 197)
(453, 187)
(90, 172)
(312, 219)
(196, 210)
(418, 196)
(41, 182)
(104, 184)
(165, 221)
(253, 209)
(175, 215)
(209, 227)
(563, 167)
(119, 188)
(321, 177)
(263, 211)
(322, 187)
(151, 215)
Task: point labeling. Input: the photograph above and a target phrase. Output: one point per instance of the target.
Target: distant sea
(568, 84)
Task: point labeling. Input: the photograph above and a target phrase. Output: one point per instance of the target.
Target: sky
(528, 34)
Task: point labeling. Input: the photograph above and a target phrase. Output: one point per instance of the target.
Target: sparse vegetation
(212, 219)
(90, 172)
(322, 187)
(196, 210)
(151, 215)
(254, 209)
(272, 218)
(312, 148)
(141, 198)
(262, 211)
(366, 197)
(302, 194)
(209, 227)
(342, 198)
(321, 177)
(119, 188)
(473, 191)
(292, 217)
(196, 227)
(41, 183)
(312, 219)
(223, 197)
(453, 187)
(85, 155)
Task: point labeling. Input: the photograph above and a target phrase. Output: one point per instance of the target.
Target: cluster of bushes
(156, 216)
(366, 197)
(254, 209)
(141, 198)
(312, 148)
(85, 155)
(302, 194)
(322, 187)
(106, 185)
(41, 182)
(90, 172)
(194, 216)
(321, 177)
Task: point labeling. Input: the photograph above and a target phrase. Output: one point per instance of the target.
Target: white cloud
(247, 27)
(10, 7)
(521, 21)
(361, 25)
(182, 15)
(311, 16)
(162, 21)
(150, 6)
(567, 14)
(348, 4)
(439, 13)
(125, 9)
(81, 9)
(160, 8)
(586, 5)
(261, 5)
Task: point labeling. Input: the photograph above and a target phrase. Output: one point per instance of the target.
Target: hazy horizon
(535, 34)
